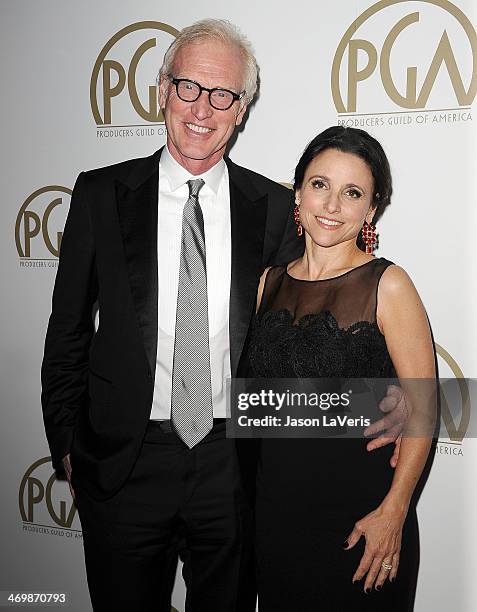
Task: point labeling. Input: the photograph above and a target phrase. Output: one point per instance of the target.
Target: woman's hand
(382, 529)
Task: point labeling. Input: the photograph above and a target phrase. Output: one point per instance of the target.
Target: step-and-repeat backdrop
(78, 91)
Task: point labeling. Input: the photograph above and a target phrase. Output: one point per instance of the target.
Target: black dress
(310, 492)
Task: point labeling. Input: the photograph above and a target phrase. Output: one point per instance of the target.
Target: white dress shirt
(214, 199)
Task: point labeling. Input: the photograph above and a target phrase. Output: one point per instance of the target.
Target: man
(172, 247)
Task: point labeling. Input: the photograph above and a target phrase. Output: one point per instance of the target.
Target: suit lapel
(248, 208)
(137, 202)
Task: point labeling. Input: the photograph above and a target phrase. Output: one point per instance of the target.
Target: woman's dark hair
(360, 143)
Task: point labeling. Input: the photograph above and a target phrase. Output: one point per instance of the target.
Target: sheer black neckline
(311, 329)
(322, 280)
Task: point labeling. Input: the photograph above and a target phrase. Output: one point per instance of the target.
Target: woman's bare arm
(403, 321)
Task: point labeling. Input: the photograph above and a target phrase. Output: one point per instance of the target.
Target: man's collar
(177, 175)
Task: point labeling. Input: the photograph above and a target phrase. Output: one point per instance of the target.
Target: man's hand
(67, 466)
(391, 425)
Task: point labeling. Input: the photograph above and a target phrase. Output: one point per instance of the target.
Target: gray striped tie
(191, 408)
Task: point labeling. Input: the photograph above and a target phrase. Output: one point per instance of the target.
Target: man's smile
(198, 129)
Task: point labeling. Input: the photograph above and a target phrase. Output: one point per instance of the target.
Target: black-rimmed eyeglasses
(190, 91)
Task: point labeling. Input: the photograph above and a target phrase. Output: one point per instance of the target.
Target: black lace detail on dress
(316, 347)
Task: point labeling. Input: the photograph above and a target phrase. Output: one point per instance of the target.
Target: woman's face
(336, 197)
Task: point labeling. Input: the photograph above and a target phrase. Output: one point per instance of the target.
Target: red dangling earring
(368, 232)
(296, 216)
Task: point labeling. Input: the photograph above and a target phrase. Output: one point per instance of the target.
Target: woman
(336, 526)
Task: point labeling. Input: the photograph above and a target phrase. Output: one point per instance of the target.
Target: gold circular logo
(455, 431)
(124, 70)
(412, 98)
(34, 217)
(36, 491)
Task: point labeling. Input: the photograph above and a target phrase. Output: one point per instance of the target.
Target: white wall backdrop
(76, 81)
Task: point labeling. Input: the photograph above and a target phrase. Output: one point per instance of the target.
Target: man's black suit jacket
(97, 387)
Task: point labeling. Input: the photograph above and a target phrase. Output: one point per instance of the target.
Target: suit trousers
(174, 497)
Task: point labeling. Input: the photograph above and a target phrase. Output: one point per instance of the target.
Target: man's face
(197, 133)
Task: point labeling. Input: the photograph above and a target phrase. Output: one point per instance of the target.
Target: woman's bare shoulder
(395, 283)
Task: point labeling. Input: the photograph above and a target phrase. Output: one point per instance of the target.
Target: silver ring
(386, 566)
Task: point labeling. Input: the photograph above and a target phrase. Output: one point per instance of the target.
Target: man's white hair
(225, 32)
